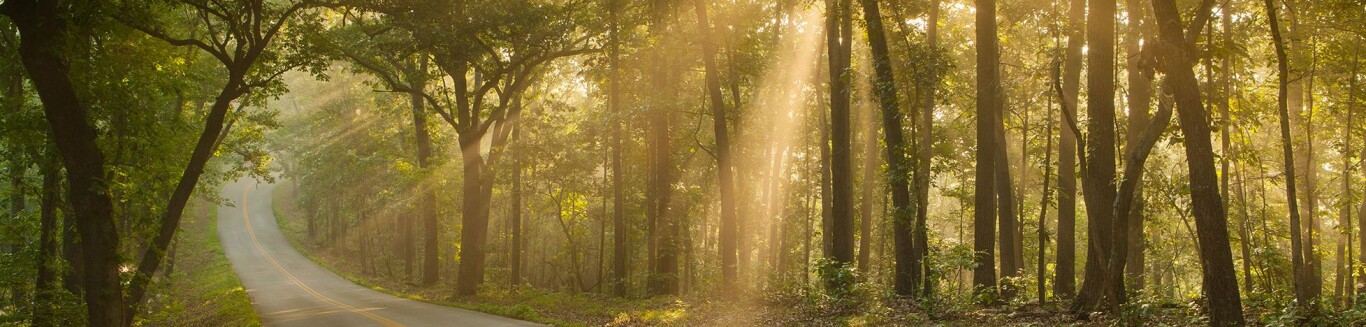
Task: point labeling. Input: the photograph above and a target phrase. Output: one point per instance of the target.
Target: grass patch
(202, 289)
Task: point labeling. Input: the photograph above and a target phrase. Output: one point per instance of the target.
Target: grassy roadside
(554, 308)
(203, 289)
(294, 230)
(792, 308)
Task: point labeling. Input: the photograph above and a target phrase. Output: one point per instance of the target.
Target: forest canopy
(1186, 162)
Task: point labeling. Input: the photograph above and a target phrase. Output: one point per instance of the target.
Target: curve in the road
(287, 289)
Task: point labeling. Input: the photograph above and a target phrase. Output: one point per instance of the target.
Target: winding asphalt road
(287, 289)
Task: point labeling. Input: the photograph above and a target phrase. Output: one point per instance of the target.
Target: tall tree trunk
(840, 230)
(43, 29)
(43, 288)
(1344, 283)
(474, 194)
(664, 271)
(1177, 60)
(1361, 224)
(1102, 287)
(822, 141)
(1064, 283)
(988, 105)
(619, 241)
(1140, 102)
(427, 202)
(823, 121)
(1244, 231)
(1346, 259)
(1225, 139)
(1041, 276)
(907, 273)
(1302, 294)
(1301, 105)
(867, 186)
(1005, 204)
(516, 220)
(727, 235)
(923, 159)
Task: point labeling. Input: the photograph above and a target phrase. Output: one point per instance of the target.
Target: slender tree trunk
(1343, 286)
(822, 142)
(1064, 283)
(1302, 294)
(1343, 273)
(1041, 276)
(664, 272)
(988, 105)
(516, 220)
(1361, 224)
(1140, 102)
(907, 273)
(427, 202)
(1005, 205)
(44, 290)
(619, 234)
(867, 187)
(840, 230)
(1225, 139)
(1219, 280)
(924, 158)
(826, 197)
(1244, 232)
(1311, 177)
(823, 124)
(727, 234)
(71, 278)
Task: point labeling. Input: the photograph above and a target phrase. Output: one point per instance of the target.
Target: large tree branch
(1137, 154)
(222, 57)
(1202, 14)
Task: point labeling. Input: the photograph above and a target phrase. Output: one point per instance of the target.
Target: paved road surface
(287, 289)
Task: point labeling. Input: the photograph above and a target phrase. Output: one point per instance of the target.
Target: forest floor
(203, 289)
(796, 309)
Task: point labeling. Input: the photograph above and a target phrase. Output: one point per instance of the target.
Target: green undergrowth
(531, 304)
(786, 304)
(203, 289)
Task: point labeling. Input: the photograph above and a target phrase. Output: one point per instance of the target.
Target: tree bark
(727, 243)
(840, 230)
(924, 158)
(1064, 284)
(1103, 286)
(988, 104)
(474, 194)
(43, 29)
(1140, 102)
(516, 221)
(1005, 205)
(906, 276)
(1177, 59)
(1302, 294)
(619, 242)
(1041, 276)
(427, 202)
(663, 279)
(1344, 279)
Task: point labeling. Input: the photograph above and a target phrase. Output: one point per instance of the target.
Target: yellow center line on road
(377, 318)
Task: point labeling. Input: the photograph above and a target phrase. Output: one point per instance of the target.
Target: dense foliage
(871, 156)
